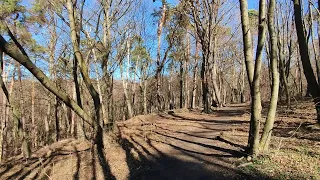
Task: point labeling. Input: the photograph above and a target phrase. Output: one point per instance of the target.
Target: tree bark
(268, 127)
(195, 74)
(181, 83)
(283, 76)
(16, 114)
(186, 71)
(305, 58)
(125, 82)
(159, 33)
(315, 52)
(256, 95)
(247, 40)
(98, 139)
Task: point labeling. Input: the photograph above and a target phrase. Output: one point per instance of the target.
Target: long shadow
(133, 162)
(143, 148)
(34, 164)
(228, 113)
(233, 153)
(230, 151)
(42, 167)
(103, 163)
(191, 151)
(219, 138)
(93, 164)
(8, 167)
(170, 167)
(182, 118)
(76, 174)
(23, 176)
(203, 127)
(39, 165)
(17, 173)
(188, 134)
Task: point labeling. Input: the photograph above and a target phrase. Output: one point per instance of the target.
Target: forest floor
(183, 144)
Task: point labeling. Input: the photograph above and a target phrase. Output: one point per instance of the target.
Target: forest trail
(178, 144)
(187, 145)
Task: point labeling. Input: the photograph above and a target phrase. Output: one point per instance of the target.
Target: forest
(161, 89)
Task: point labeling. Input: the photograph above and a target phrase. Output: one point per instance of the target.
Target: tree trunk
(56, 117)
(256, 95)
(186, 71)
(242, 95)
(16, 114)
(318, 29)
(216, 89)
(305, 59)
(247, 40)
(181, 84)
(315, 52)
(159, 33)
(195, 74)
(105, 120)
(283, 76)
(4, 107)
(34, 127)
(145, 108)
(204, 82)
(125, 82)
(171, 101)
(98, 139)
(134, 110)
(268, 127)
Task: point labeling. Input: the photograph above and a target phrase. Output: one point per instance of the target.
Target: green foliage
(140, 52)
(253, 17)
(9, 7)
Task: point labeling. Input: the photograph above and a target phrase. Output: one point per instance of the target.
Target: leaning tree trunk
(98, 139)
(313, 42)
(305, 58)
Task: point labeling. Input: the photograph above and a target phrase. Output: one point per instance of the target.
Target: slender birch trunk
(125, 82)
(195, 75)
(158, 73)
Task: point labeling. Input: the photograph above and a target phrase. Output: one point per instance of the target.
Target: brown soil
(180, 144)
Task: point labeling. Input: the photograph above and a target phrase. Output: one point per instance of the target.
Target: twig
(289, 137)
(245, 164)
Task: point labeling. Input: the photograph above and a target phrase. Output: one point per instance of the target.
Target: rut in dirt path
(186, 145)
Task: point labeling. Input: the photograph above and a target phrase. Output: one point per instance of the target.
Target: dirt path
(180, 144)
(186, 145)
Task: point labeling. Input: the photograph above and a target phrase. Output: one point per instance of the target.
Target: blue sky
(253, 4)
